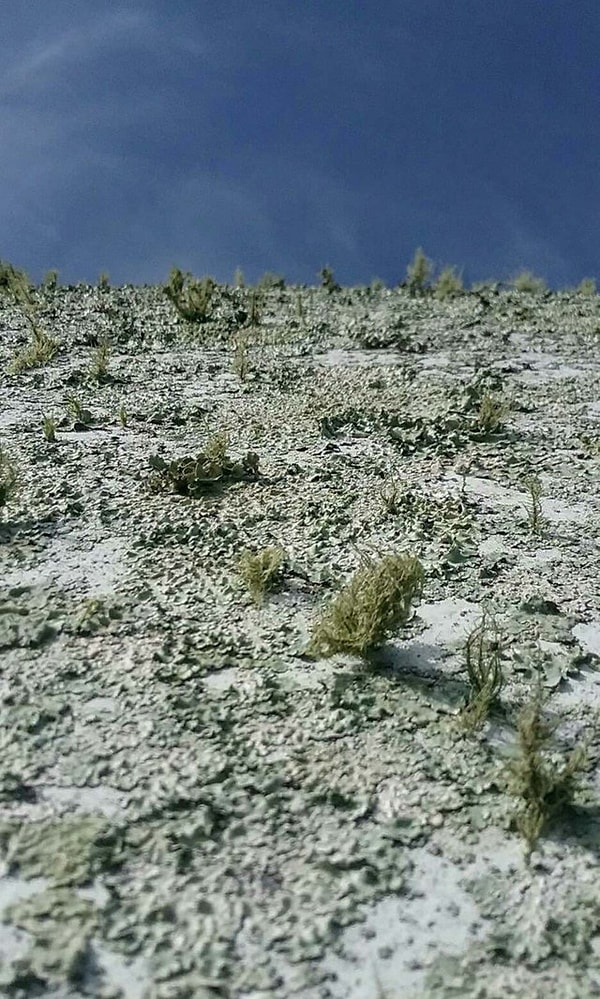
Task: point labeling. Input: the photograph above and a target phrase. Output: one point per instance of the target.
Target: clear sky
(285, 135)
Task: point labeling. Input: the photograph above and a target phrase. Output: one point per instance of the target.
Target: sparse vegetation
(261, 571)
(50, 281)
(328, 281)
(418, 272)
(41, 349)
(369, 609)
(448, 285)
(123, 415)
(195, 476)
(76, 410)
(99, 365)
(492, 412)
(192, 298)
(526, 281)
(484, 672)
(541, 784)
(49, 428)
(9, 478)
(586, 287)
(534, 485)
(270, 281)
(392, 494)
(104, 282)
(241, 363)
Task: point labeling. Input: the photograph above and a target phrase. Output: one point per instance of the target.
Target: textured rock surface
(189, 806)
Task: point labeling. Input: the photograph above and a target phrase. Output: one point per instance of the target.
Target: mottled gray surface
(189, 806)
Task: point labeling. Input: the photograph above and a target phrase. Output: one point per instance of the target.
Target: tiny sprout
(122, 415)
(9, 478)
(49, 427)
(534, 485)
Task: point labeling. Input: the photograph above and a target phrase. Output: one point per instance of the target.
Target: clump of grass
(586, 287)
(526, 281)
(392, 495)
(9, 478)
(257, 301)
(49, 428)
(15, 285)
(492, 412)
(270, 281)
(328, 281)
(192, 300)
(50, 280)
(534, 485)
(418, 272)
(241, 363)
(238, 278)
(100, 359)
(261, 571)
(369, 609)
(449, 284)
(542, 785)
(484, 672)
(122, 415)
(76, 411)
(41, 349)
(103, 281)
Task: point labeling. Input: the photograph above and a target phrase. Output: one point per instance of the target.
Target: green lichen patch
(61, 925)
(71, 851)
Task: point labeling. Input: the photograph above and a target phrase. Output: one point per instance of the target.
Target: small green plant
(418, 272)
(9, 478)
(103, 281)
(50, 280)
(100, 359)
(270, 281)
(241, 364)
(261, 571)
(534, 485)
(370, 608)
(256, 306)
(586, 287)
(49, 428)
(392, 495)
(192, 300)
(526, 281)
(449, 284)
(41, 349)
(76, 410)
(484, 672)
(122, 415)
(492, 412)
(541, 784)
(328, 281)
(195, 476)
(15, 285)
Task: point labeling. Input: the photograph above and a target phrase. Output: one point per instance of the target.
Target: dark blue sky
(284, 135)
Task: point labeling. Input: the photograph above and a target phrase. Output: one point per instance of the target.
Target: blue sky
(283, 135)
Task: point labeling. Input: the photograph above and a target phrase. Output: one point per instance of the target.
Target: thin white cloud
(43, 59)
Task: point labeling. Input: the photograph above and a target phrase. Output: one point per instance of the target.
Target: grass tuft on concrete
(376, 601)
